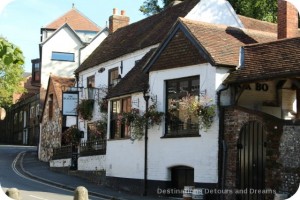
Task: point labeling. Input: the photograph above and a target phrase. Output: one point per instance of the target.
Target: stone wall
(282, 148)
(51, 128)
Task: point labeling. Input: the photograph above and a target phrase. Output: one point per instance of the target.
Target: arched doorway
(252, 161)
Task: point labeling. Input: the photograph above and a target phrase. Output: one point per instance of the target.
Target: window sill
(117, 139)
(180, 135)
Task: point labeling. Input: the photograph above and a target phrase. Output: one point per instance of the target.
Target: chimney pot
(115, 10)
(123, 12)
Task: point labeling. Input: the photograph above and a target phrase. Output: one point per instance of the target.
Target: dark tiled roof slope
(222, 43)
(136, 36)
(76, 20)
(134, 81)
(278, 59)
(255, 24)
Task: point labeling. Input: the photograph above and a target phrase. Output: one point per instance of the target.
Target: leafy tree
(11, 71)
(259, 9)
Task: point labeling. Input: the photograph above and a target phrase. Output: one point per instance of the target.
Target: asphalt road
(11, 177)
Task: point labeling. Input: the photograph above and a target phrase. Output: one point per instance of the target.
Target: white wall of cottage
(63, 41)
(101, 80)
(85, 52)
(126, 158)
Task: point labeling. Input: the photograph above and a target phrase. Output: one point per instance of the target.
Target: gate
(252, 156)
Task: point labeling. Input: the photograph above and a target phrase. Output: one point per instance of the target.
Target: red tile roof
(265, 61)
(145, 33)
(59, 83)
(222, 43)
(255, 24)
(76, 20)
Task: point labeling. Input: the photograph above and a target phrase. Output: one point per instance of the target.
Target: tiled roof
(76, 20)
(265, 61)
(59, 83)
(255, 24)
(147, 32)
(222, 43)
(134, 81)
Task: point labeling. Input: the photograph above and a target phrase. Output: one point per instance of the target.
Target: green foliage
(85, 109)
(11, 71)
(259, 9)
(151, 7)
(71, 136)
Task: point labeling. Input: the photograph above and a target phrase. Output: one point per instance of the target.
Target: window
(179, 121)
(90, 86)
(117, 129)
(50, 104)
(113, 75)
(37, 110)
(16, 118)
(32, 113)
(61, 56)
(36, 71)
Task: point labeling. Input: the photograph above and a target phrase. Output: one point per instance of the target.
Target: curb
(58, 184)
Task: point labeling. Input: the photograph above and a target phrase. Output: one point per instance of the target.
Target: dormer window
(63, 56)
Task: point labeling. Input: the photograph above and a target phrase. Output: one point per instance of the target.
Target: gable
(179, 52)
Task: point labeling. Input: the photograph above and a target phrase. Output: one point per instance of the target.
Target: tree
(265, 10)
(259, 9)
(11, 71)
(151, 7)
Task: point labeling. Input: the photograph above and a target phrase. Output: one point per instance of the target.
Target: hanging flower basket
(85, 109)
(71, 136)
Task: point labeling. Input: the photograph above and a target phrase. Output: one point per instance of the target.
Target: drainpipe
(222, 143)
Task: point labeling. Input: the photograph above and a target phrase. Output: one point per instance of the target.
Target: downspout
(222, 143)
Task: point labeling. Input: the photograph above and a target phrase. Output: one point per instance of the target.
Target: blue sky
(21, 20)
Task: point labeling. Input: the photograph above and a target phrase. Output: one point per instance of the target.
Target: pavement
(32, 167)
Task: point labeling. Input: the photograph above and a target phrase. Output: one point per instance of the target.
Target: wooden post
(81, 193)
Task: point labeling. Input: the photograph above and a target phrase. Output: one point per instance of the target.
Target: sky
(21, 20)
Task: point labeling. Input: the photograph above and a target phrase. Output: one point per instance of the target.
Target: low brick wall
(282, 150)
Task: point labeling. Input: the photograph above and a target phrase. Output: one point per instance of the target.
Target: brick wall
(282, 148)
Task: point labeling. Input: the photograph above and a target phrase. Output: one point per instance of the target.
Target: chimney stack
(117, 21)
(287, 19)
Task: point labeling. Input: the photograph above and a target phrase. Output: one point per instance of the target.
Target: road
(11, 177)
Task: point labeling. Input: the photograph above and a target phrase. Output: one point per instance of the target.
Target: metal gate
(252, 156)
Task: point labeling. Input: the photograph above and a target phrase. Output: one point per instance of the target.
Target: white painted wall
(62, 41)
(92, 163)
(60, 162)
(85, 52)
(126, 159)
(215, 12)
(101, 80)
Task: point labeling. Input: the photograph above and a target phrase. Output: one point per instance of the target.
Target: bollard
(81, 193)
(13, 193)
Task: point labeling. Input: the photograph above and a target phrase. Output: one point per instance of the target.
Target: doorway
(252, 161)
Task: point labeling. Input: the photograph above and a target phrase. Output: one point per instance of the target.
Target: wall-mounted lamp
(102, 69)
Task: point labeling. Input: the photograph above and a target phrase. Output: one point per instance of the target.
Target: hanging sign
(70, 102)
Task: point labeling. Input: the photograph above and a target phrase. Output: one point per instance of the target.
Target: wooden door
(252, 161)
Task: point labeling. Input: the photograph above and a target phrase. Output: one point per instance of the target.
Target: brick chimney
(117, 21)
(287, 18)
